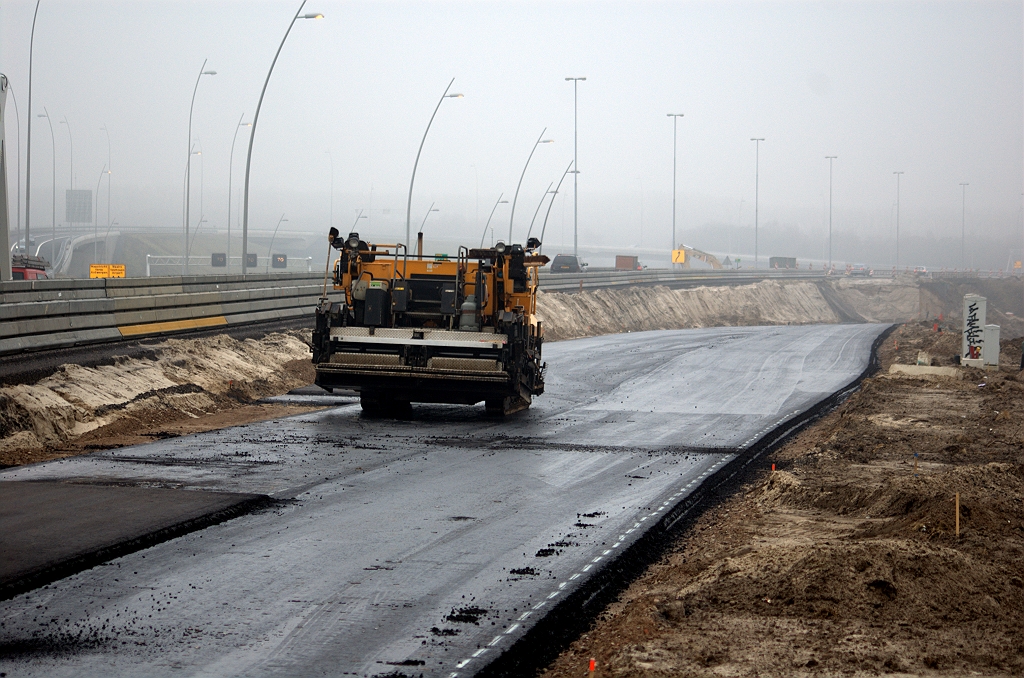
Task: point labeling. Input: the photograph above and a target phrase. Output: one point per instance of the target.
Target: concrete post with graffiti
(973, 338)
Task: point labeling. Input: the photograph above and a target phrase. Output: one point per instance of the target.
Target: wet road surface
(420, 546)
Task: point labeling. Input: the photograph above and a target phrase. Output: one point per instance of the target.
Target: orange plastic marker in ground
(593, 665)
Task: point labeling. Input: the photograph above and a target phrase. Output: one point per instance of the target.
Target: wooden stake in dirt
(957, 499)
(915, 464)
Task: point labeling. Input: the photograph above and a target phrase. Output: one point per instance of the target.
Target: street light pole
(540, 140)
(830, 158)
(963, 225)
(252, 133)
(757, 167)
(231, 165)
(575, 162)
(17, 118)
(270, 250)
(547, 214)
(675, 118)
(188, 168)
(53, 194)
(331, 159)
(537, 211)
(484, 234)
(408, 208)
(897, 220)
(28, 143)
(109, 171)
(95, 220)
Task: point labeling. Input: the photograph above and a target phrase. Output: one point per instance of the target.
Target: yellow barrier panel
(171, 326)
(678, 256)
(106, 270)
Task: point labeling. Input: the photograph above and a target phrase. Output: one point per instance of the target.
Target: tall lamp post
(963, 225)
(231, 165)
(757, 166)
(110, 167)
(252, 133)
(830, 158)
(95, 220)
(540, 140)
(897, 219)
(331, 159)
(498, 202)
(188, 168)
(17, 118)
(28, 143)
(547, 214)
(270, 250)
(53, 194)
(675, 118)
(537, 211)
(427, 215)
(575, 162)
(408, 208)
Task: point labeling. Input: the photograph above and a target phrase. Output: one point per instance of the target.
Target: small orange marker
(593, 665)
(773, 468)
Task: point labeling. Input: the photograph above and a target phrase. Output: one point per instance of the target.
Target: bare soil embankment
(846, 559)
(185, 386)
(635, 309)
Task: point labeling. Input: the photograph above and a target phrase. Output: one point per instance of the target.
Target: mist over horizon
(935, 90)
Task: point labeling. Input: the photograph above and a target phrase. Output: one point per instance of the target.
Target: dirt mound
(567, 316)
(771, 302)
(184, 379)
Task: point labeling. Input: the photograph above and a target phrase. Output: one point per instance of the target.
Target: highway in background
(428, 545)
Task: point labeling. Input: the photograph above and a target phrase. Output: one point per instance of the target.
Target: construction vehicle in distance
(431, 330)
(692, 253)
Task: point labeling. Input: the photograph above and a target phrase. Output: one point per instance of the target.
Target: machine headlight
(499, 247)
(353, 241)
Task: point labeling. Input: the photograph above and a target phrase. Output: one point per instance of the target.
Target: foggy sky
(935, 90)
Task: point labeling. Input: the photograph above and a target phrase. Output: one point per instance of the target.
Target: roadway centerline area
(427, 545)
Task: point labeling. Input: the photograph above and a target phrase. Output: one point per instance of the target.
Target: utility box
(990, 349)
(973, 337)
(626, 263)
(782, 262)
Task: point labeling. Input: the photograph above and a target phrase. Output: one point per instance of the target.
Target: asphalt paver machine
(431, 329)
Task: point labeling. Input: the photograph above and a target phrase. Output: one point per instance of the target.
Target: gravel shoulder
(845, 559)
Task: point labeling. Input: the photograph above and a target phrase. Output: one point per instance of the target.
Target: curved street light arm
(28, 143)
(252, 133)
(188, 168)
(537, 211)
(270, 250)
(516, 196)
(548, 214)
(484, 234)
(408, 208)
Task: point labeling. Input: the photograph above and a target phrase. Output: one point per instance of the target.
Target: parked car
(567, 263)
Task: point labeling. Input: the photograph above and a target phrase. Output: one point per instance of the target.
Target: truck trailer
(431, 329)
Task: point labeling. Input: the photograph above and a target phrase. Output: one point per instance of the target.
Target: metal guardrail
(47, 314)
(571, 282)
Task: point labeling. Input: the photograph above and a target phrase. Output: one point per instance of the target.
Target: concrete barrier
(48, 314)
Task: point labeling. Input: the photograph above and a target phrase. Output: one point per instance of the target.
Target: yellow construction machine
(431, 329)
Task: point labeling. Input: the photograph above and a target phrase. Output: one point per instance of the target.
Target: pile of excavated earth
(182, 386)
(846, 559)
